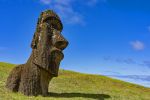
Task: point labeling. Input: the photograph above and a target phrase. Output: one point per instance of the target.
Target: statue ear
(34, 41)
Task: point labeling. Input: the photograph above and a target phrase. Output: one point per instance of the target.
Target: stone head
(48, 42)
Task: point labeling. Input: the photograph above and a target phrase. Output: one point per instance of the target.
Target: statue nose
(60, 42)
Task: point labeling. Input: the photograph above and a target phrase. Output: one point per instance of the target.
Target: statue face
(48, 44)
(56, 44)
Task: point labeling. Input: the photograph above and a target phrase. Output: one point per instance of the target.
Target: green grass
(77, 86)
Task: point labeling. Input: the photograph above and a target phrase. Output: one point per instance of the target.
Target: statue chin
(56, 57)
(54, 68)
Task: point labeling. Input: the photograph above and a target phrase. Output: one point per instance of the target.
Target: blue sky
(109, 37)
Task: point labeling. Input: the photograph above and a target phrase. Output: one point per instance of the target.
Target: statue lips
(57, 54)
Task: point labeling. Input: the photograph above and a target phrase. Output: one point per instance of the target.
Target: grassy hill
(77, 86)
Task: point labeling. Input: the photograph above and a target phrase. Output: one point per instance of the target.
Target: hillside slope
(77, 86)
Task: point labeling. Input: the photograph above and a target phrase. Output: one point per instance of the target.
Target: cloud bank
(129, 61)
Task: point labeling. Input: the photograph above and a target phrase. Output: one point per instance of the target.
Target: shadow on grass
(83, 95)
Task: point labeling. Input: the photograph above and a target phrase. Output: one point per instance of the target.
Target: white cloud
(66, 9)
(137, 45)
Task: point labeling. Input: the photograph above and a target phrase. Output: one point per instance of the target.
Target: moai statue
(33, 77)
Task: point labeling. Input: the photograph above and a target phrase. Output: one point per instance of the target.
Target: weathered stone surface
(33, 77)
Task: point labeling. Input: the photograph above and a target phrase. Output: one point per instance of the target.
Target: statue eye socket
(52, 23)
(55, 22)
(54, 26)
